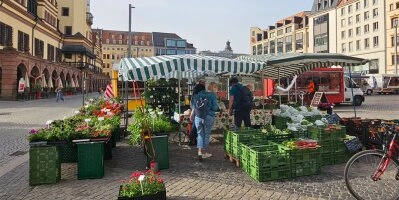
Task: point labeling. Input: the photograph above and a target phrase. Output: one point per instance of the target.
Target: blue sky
(208, 24)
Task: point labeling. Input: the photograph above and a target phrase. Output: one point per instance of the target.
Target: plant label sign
(316, 99)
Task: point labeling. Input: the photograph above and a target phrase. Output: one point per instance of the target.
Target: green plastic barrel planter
(161, 148)
(90, 160)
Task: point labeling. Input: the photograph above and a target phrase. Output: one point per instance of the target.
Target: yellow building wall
(76, 18)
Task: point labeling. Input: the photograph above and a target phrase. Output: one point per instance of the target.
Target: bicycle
(373, 174)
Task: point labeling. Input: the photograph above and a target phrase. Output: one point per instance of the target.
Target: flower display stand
(161, 148)
(44, 165)
(90, 160)
(157, 196)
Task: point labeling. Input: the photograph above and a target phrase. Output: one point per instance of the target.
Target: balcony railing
(89, 18)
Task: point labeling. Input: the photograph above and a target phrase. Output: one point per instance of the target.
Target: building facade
(226, 53)
(143, 44)
(286, 36)
(392, 14)
(361, 33)
(33, 48)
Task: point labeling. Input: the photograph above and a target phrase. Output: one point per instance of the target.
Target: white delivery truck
(384, 83)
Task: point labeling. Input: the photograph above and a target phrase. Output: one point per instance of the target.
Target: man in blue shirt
(240, 113)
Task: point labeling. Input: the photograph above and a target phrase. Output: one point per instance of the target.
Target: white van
(384, 83)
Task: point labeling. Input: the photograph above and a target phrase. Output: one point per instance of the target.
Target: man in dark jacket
(240, 113)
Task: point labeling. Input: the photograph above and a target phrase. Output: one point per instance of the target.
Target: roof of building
(324, 5)
(159, 38)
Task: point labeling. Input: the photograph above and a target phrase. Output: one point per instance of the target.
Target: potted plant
(143, 186)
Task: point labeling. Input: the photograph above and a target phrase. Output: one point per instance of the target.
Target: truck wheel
(357, 101)
(369, 92)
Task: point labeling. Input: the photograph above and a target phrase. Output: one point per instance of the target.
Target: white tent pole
(178, 88)
(263, 91)
(352, 85)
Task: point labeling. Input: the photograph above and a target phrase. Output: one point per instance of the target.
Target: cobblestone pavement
(215, 178)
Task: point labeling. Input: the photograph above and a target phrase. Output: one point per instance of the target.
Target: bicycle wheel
(358, 173)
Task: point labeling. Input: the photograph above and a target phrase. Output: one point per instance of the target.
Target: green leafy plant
(152, 184)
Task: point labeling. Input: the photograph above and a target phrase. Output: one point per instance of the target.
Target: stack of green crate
(44, 165)
(244, 157)
(329, 139)
(305, 162)
(227, 142)
(243, 136)
(269, 162)
(341, 153)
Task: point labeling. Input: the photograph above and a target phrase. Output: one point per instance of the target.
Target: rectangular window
(342, 22)
(280, 45)
(391, 7)
(342, 34)
(68, 55)
(288, 29)
(350, 32)
(142, 43)
(288, 43)
(272, 47)
(394, 22)
(366, 43)
(181, 52)
(32, 7)
(171, 43)
(265, 48)
(375, 12)
(366, 3)
(375, 2)
(375, 26)
(68, 30)
(342, 11)
(170, 52)
(357, 18)
(181, 44)
(358, 30)
(279, 32)
(366, 28)
(350, 46)
(393, 42)
(366, 15)
(50, 52)
(299, 41)
(65, 11)
(23, 41)
(343, 47)
(39, 48)
(357, 45)
(349, 20)
(357, 6)
(58, 55)
(375, 41)
(349, 9)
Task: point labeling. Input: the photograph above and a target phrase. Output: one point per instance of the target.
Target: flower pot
(67, 151)
(157, 196)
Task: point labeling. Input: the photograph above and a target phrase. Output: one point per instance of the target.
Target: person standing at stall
(240, 103)
(205, 105)
(311, 89)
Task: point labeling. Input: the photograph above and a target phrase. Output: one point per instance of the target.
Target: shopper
(59, 94)
(310, 90)
(193, 132)
(240, 103)
(203, 116)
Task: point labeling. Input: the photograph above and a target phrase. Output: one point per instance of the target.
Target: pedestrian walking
(205, 105)
(59, 94)
(193, 132)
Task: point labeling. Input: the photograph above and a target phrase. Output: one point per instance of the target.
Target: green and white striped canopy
(183, 66)
(288, 65)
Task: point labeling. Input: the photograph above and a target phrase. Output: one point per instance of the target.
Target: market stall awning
(290, 64)
(183, 66)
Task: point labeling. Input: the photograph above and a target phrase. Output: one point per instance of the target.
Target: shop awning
(183, 66)
(287, 65)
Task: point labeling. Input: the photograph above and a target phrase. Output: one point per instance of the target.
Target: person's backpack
(201, 106)
(247, 99)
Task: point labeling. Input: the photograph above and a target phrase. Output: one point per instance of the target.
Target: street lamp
(129, 52)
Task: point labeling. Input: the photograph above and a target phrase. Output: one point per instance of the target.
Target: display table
(223, 120)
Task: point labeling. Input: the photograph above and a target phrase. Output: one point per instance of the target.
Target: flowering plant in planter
(152, 184)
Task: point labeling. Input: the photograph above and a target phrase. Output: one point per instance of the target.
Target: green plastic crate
(306, 155)
(322, 134)
(327, 159)
(243, 138)
(269, 174)
(67, 150)
(161, 147)
(90, 160)
(271, 155)
(244, 164)
(227, 142)
(327, 146)
(44, 165)
(279, 137)
(305, 169)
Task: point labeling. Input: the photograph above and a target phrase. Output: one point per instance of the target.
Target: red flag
(109, 92)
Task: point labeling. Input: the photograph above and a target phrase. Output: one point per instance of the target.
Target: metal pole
(352, 85)
(396, 46)
(129, 51)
